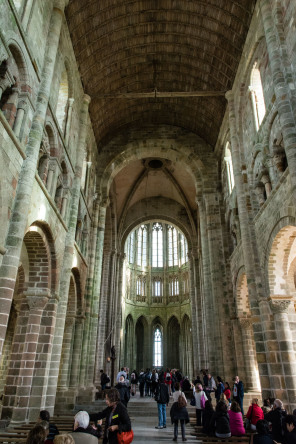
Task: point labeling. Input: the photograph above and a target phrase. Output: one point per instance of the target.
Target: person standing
(104, 379)
(179, 413)
(238, 393)
(117, 418)
(123, 391)
(168, 380)
(162, 397)
(200, 401)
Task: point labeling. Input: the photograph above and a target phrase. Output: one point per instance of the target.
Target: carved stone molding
(246, 323)
(70, 321)
(36, 302)
(279, 305)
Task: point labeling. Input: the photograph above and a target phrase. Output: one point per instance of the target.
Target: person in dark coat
(53, 430)
(277, 419)
(263, 435)
(290, 430)
(207, 416)
(117, 419)
(179, 413)
(162, 398)
(238, 393)
(123, 391)
(220, 421)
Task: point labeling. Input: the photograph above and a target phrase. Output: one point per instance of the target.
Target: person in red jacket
(168, 377)
(254, 413)
(227, 392)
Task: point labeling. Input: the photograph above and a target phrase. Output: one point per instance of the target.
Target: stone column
(285, 373)
(67, 259)
(218, 280)
(22, 200)
(118, 325)
(92, 341)
(281, 87)
(207, 287)
(36, 302)
(69, 118)
(249, 355)
(19, 120)
(250, 253)
(65, 365)
(77, 347)
(195, 321)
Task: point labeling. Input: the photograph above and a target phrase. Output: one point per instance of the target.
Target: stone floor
(144, 418)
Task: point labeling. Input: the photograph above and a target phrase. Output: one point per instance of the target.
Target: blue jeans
(161, 414)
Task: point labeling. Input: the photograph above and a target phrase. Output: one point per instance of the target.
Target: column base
(86, 395)
(65, 400)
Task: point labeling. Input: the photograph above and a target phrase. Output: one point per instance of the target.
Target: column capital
(245, 323)
(279, 304)
(37, 299)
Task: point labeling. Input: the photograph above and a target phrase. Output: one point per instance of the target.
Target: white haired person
(276, 416)
(83, 433)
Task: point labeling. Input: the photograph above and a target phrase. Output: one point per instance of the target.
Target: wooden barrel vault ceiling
(171, 49)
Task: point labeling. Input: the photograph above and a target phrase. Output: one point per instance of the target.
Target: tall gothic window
(157, 287)
(174, 286)
(157, 245)
(183, 250)
(157, 348)
(229, 167)
(257, 96)
(131, 246)
(172, 246)
(142, 246)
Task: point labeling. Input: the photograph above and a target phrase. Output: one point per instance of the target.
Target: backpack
(133, 377)
(153, 377)
(148, 377)
(107, 379)
(168, 377)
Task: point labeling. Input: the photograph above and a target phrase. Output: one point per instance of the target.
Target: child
(179, 412)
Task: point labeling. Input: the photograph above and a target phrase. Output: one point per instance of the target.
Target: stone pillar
(281, 87)
(249, 355)
(76, 356)
(250, 253)
(266, 182)
(22, 200)
(18, 121)
(118, 325)
(91, 339)
(36, 302)
(67, 259)
(66, 357)
(197, 339)
(69, 118)
(207, 288)
(218, 280)
(285, 373)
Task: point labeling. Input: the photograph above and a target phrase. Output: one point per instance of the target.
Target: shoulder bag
(125, 437)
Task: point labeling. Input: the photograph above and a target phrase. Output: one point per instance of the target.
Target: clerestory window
(257, 96)
(142, 246)
(157, 245)
(157, 348)
(229, 167)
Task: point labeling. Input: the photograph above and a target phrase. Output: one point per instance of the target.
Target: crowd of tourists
(218, 406)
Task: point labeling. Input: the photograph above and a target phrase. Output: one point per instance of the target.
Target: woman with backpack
(200, 402)
(179, 413)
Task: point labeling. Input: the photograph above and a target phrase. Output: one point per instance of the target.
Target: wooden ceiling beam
(158, 94)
